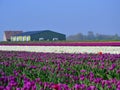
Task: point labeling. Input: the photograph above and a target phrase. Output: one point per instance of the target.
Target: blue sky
(64, 16)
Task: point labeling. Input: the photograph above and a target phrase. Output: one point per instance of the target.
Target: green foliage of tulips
(99, 70)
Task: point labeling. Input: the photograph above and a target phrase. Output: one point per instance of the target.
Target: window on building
(17, 38)
(54, 39)
(23, 38)
(40, 39)
(11, 38)
(14, 38)
(27, 38)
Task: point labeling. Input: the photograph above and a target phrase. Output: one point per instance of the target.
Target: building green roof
(33, 32)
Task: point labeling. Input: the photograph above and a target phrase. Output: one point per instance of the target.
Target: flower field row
(64, 49)
(62, 44)
(58, 71)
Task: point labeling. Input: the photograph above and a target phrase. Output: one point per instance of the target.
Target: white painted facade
(4, 37)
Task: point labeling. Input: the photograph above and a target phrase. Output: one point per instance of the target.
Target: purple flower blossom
(118, 71)
(92, 88)
(18, 88)
(1, 87)
(83, 71)
(82, 77)
(112, 66)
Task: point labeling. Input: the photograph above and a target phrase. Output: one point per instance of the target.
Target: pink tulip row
(65, 44)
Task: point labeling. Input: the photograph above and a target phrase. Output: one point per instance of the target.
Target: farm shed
(45, 35)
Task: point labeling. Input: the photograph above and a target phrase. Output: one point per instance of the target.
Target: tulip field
(23, 70)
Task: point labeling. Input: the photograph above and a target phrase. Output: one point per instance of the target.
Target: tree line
(92, 36)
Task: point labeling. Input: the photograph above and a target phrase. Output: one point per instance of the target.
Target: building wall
(24, 38)
(20, 38)
(8, 34)
(13, 38)
(44, 35)
(28, 38)
(48, 36)
(4, 37)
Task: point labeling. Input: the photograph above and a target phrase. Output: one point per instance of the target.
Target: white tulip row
(64, 49)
